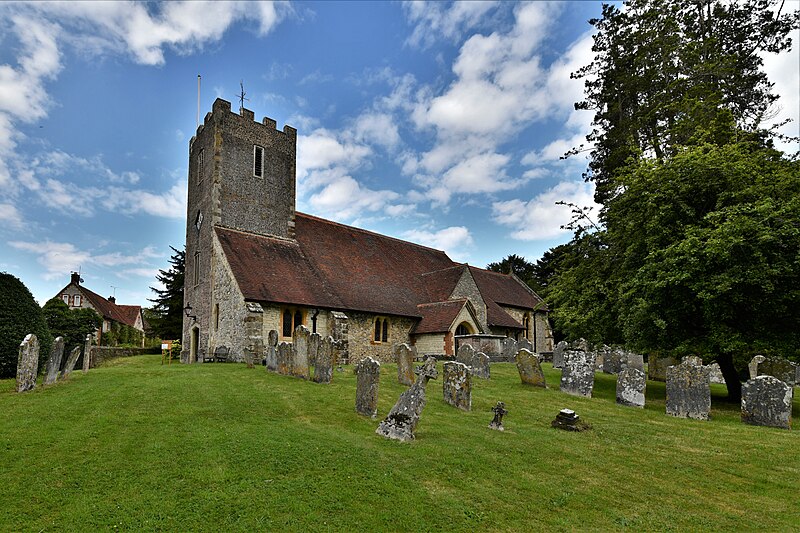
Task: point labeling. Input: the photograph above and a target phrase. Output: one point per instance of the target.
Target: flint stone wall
(101, 354)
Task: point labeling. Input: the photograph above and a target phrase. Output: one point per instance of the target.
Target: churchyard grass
(134, 445)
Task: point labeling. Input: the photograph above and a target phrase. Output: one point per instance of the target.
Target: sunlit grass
(136, 445)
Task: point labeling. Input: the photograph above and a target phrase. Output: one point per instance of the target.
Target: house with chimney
(76, 296)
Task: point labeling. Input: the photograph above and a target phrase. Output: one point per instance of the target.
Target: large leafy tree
(166, 316)
(19, 316)
(517, 265)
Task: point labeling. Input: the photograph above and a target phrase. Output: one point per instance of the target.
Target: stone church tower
(241, 177)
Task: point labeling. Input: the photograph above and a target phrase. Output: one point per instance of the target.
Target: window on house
(381, 330)
(463, 329)
(258, 161)
(200, 156)
(65, 297)
(196, 268)
(76, 300)
(291, 318)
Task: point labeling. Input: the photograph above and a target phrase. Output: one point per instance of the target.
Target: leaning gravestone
(87, 353)
(499, 411)
(27, 363)
(657, 367)
(577, 377)
(715, 374)
(509, 349)
(523, 344)
(457, 385)
(405, 356)
(753, 365)
(272, 350)
(300, 341)
(767, 401)
(71, 360)
(778, 367)
(368, 376)
(688, 391)
(529, 368)
(54, 361)
(558, 354)
(631, 383)
(402, 420)
(323, 370)
(284, 358)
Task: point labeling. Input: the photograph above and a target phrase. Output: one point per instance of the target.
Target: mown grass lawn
(139, 446)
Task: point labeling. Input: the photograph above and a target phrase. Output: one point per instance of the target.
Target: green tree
(72, 324)
(517, 265)
(19, 316)
(166, 316)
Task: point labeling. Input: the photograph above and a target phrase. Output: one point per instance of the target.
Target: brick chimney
(112, 299)
(76, 278)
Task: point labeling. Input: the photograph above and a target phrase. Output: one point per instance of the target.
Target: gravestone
(577, 376)
(368, 376)
(631, 383)
(657, 367)
(580, 344)
(71, 360)
(300, 342)
(715, 374)
(314, 341)
(614, 361)
(284, 357)
(692, 360)
(272, 350)
(402, 420)
(688, 391)
(405, 355)
(529, 368)
(499, 411)
(457, 385)
(87, 353)
(478, 362)
(778, 367)
(509, 349)
(634, 360)
(558, 354)
(753, 365)
(27, 363)
(54, 361)
(767, 401)
(568, 420)
(323, 370)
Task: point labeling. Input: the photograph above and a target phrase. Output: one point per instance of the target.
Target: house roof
(437, 317)
(334, 266)
(130, 312)
(505, 289)
(125, 314)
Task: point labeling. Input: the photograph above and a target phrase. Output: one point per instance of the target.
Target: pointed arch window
(381, 333)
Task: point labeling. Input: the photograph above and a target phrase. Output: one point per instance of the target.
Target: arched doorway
(193, 344)
(464, 329)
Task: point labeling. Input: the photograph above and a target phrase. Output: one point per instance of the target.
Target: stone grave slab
(323, 369)
(631, 384)
(657, 367)
(577, 376)
(405, 355)
(558, 354)
(457, 385)
(27, 363)
(300, 343)
(767, 401)
(368, 376)
(778, 367)
(688, 391)
(272, 351)
(529, 368)
(401, 422)
(54, 361)
(71, 360)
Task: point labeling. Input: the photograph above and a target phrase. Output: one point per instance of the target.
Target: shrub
(19, 316)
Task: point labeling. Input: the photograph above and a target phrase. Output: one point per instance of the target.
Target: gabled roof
(334, 266)
(125, 314)
(438, 317)
(505, 289)
(131, 313)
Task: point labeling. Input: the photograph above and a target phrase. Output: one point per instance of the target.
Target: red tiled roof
(120, 313)
(505, 289)
(130, 312)
(438, 317)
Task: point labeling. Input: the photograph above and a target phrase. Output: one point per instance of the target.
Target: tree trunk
(731, 378)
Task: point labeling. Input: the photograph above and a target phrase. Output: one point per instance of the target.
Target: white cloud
(346, 198)
(784, 72)
(10, 216)
(437, 19)
(377, 128)
(540, 218)
(455, 240)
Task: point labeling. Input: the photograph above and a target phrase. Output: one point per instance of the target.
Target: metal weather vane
(241, 95)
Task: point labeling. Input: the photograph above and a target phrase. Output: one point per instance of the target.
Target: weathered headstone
(509, 349)
(753, 365)
(778, 367)
(477, 362)
(71, 360)
(657, 367)
(767, 401)
(715, 374)
(634, 360)
(692, 360)
(272, 350)
(27, 363)
(323, 370)
(688, 391)
(405, 355)
(580, 344)
(558, 354)
(368, 376)
(87, 353)
(314, 341)
(284, 357)
(54, 361)
(499, 411)
(524, 344)
(631, 383)
(568, 420)
(529, 368)
(300, 352)
(613, 361)
(577, 376)
(457, 385)
(402, 420)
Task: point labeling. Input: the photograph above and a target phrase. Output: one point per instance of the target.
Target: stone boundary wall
(100, 354)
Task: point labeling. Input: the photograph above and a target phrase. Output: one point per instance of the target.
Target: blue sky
(437, 123)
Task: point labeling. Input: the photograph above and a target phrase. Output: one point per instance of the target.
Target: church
(254, 264)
